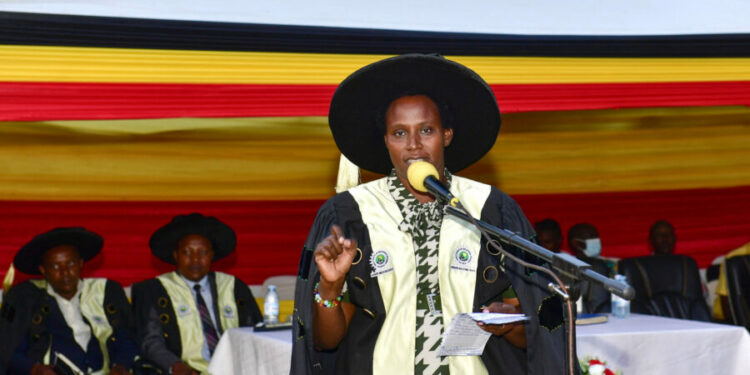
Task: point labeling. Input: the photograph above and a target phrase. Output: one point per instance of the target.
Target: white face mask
(593, 247)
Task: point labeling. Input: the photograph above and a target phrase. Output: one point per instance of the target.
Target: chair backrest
(284, 286)
(712, 281)
(666, 285)
(738, 285)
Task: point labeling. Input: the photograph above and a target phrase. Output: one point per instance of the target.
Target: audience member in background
(721, 303)
(584, 242)
(549, 234)
(86, 321)
(662, 238)
(180, 315)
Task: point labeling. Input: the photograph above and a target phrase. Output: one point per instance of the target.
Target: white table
(243, 351)
(644, 344)
(640, 344)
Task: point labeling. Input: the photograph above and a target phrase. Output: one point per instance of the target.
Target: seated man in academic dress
(180, 315)
(64, 321)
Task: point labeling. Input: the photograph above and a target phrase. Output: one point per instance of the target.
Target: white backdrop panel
(532, 17)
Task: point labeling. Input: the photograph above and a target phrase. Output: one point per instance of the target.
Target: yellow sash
(92, 308)
(188, 317)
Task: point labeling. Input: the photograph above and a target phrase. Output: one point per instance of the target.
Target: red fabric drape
(709, 222)
(39, 101)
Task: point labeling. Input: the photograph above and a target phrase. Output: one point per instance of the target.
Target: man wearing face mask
(584, 241)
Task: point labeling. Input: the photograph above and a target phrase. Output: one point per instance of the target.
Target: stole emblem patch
(183, 310)
(380, 263)
(462, 259)
(228, 311)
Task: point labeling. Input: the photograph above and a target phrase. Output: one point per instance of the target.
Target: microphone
(424, 177)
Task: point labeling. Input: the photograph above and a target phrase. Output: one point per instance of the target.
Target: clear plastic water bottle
(271, 306)
(620, 306)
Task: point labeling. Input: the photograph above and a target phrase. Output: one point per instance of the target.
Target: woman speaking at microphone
(384, 269)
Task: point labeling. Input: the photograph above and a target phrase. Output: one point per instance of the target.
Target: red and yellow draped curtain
(117, 125)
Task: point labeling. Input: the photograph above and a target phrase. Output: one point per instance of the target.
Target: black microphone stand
(566, 264)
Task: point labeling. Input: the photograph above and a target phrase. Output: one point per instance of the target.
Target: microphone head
(628, 293)
(418, 171)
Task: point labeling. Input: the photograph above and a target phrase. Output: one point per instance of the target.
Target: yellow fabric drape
(175, 159)
(296, 158)
(83, 64)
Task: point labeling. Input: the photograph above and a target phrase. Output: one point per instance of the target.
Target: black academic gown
(157, 331)
(32, 322)
(545, 352)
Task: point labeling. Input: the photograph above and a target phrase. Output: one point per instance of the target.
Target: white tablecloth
(638, 345)
(243, 351)
(643, 344)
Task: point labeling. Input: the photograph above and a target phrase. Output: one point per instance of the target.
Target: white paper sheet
(465, 337)
(497, 318)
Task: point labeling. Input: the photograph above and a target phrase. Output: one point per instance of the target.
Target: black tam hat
(359, 104)
(29, 257)
(164, 241)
